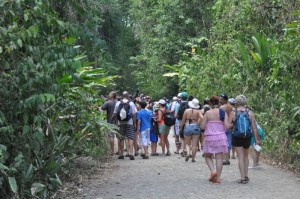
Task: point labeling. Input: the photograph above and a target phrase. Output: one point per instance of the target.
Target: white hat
(174, 98)
(194, 103)
(231, 100)
(179, 94)
(162, 101)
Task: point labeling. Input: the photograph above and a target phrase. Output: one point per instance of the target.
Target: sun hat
(231, 100)
(194, 104)
(162, 101)
(184, 94)
(174, 98)
(240, 100)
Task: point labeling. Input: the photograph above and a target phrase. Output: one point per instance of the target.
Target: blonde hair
(240, 100)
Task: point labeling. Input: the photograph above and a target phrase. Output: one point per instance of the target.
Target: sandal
(168, 154)
(212, 177)
(247, 179)
(242, 181)
(176, 152)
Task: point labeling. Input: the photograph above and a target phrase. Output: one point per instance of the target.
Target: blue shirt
(144, 116)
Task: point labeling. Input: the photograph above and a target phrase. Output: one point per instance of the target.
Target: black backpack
(182, 107)
(124, 106)
(169, 118)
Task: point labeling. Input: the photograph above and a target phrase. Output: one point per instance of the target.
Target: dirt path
(172, 177)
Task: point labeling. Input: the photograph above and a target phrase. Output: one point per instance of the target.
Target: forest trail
(172, 177)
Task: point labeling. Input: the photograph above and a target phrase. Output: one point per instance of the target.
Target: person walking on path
(231, 102)
(243, 120)
(125, 114)
(173, 108)
(255, 154)
(191, 120)
(109, 107)
(223, 100)
(182, 106)
(163, 128)
(143, 127)
(215, 122)
(154, 131)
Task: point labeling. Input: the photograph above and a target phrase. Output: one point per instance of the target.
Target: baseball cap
(184, 94)
(162, 101)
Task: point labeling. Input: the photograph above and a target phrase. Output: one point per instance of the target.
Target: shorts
(229, 139)
(145, 137)
(163, 129)
(153, 137)
(241, 142)
(176, 128)
(191, 129)
(126, 131)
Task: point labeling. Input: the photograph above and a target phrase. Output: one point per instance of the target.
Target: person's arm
(115, 113)
(230, 120)
(200, 117)
(138, 125)
(203, 122)
(159, 115)
(104, 107)
(134, 112)
(226, 121)
(183, 119)
(254, 128)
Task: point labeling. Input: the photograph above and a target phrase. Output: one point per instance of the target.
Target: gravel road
(172, 177)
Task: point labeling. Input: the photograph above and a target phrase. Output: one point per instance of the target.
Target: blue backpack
(242, 124)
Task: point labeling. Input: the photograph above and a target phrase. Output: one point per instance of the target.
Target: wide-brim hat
(194, 104)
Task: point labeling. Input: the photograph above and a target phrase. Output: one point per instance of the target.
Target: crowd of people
(222, 125)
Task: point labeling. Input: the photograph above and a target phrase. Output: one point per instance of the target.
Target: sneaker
(131, 157)
(233, 157)
(121, 157)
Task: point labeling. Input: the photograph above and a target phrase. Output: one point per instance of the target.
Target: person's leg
(241, 161)
(136, 143)
(112, 145)
(227, 155)
(219, 165)
(246, 161)
(187, 140)
(163, 144)
(195, 141)
(233, 152)
(201, 139)
(122, 147)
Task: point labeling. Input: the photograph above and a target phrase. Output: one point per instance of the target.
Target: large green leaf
(13, 184)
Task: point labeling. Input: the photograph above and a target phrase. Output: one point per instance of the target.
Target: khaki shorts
(164, 129)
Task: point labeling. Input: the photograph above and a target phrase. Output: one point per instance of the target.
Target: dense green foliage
(53, 64)
(58, 57)
(242, 47)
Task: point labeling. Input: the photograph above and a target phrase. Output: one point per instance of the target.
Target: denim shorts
(191, 129)
(229, 139)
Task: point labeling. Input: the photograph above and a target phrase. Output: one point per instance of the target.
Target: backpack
(169, 118)
(123, 113)
(182, 107)
(242, 124)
